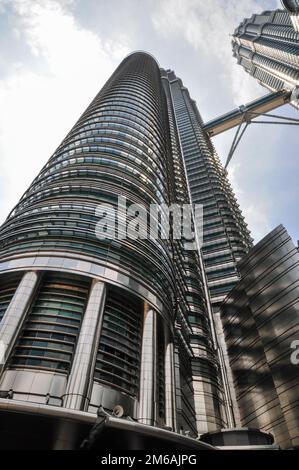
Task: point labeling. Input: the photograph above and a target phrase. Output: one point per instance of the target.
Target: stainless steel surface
(230, 417)
(170, 398)
(148, 365)
(108, 398)
(238, 438)
(196, 149)
(82, 264)
(179, 439)
(78, 390)
(15, 314)
(261, 320)
(36, 386)
(67, 428)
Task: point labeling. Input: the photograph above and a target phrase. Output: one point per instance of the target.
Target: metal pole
(147, 394)
(16, 312)
(78, 390)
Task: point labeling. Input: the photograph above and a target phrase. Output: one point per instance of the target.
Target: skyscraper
(118, 325)
(89, 323)
(267, 46)
(226, 238)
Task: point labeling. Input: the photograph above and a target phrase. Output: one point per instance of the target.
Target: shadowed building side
(261, 322)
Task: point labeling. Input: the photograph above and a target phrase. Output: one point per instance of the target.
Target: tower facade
(93, 322)
(226, 238)
(267, 46)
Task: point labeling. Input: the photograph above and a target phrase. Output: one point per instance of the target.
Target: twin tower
(89, 324)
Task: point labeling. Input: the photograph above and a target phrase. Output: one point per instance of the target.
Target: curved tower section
(96, 310)
(117, 148)
(266, 45)
(86, 321)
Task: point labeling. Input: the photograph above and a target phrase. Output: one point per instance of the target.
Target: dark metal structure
(261, 322)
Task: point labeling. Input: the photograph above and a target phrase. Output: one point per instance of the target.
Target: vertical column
(15, 314)
(170, 399)
(79, 384)
(147, 397)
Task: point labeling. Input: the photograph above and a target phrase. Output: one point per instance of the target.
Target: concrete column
(170, 398)
(78, 390)
(147, 395)
(15, 314)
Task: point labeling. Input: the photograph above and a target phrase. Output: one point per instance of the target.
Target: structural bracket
(247, 114)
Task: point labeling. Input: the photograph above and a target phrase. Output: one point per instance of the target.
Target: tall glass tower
(91, 323)
(226, 238)
(267, 46)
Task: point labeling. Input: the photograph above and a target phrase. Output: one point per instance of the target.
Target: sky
(55, 55)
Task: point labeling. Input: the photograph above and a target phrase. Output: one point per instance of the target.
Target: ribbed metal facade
(261, 322)
(267, 46)
(89, 322)
(80, 339)
(226, 238)
(119, 350)
(200, 367)
(118, 147)
(53, 321)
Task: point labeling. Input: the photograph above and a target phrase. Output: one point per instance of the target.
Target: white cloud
(207, 28)
(38, 107)
(255, 210)
(232, 171)
(257, 218)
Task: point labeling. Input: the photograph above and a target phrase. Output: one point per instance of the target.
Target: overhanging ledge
(35, 426)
